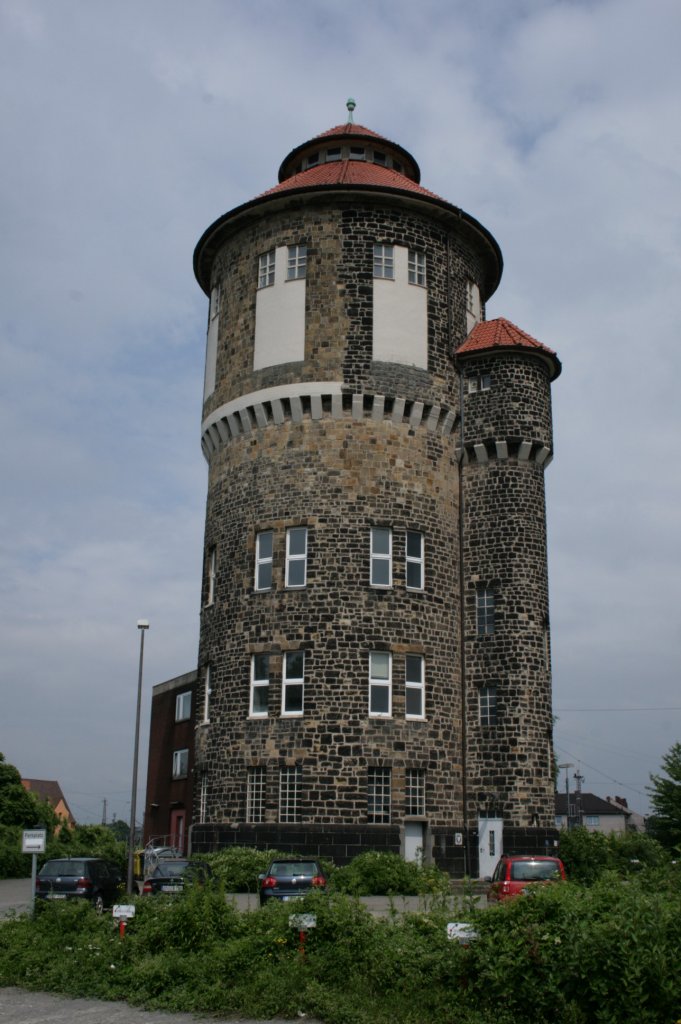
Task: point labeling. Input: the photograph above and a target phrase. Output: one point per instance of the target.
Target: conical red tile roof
(502, 335)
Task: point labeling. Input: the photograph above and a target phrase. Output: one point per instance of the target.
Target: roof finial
(351, 106)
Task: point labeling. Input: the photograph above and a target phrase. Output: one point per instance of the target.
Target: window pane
(260, 700)
(414, 544)
(380, 700)
(414, 701)
(380, 665)
(297, 540)
(296, 573)
(414, 668)
(295, 662)
(294, 697)
(380, 576)
(265, 541)
(380, 541)
(414, 576)
(261, 666)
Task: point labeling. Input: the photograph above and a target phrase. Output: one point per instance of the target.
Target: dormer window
(397, 166)
(333, 154)
(357, 153)
(379, 158)
(313, 159)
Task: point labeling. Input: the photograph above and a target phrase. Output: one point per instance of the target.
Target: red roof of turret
(350, 172)
(351, 129)
(502, 335)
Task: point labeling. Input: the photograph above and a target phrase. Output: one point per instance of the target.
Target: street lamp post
(142, 625)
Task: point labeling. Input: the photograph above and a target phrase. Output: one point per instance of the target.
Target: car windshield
(283, 870)
(533, 870)
(59, 868)
(171, 869)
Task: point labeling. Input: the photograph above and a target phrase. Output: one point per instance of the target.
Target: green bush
(238, 867)
(589, 855)
(387, 874)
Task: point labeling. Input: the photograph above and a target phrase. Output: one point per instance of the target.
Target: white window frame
(414, 560)
(256, 788)
(259, 684)
(416, 268)
(291, 682)
(415, 792)
(214, 308)
(266, 269)
(212, 567)
(290, 787)
(181, 763)
(263, 562)
(379, 795)
(296, 264)
(415, 682)
(489, 706)
(479, 382)
(384, 262)
(294, 560)
(206, 694)
(593, 820)
(485, 611)
(203, 797)
(380, 684)
(380, 557)
(183, 706)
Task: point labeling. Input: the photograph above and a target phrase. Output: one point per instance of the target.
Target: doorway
(490, 844)
(413, 841)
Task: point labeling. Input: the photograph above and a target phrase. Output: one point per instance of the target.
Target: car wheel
(98, 903)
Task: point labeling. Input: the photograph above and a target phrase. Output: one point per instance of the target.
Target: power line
(620, 709)
(618, 782)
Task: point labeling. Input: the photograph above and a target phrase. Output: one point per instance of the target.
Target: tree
(17, 805)
(665, 797)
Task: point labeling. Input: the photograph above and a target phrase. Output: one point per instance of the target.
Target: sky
(126, 129)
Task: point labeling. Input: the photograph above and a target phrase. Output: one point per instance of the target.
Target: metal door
(413, 841)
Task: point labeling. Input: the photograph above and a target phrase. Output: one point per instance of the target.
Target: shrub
(387, 874)
(589, 855)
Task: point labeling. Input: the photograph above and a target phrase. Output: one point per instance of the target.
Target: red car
(515, 873)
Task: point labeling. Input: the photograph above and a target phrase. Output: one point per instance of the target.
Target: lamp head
(142, 624)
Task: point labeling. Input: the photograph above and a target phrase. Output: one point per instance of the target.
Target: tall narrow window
(264, 543)
(260, 685)
(414, 550)
(415, 792)
(206, 694)
(378, 796)
(180, 764)
(414, 686)
(255, 795)
(384, 261)
(183, 706)
(203, 797)
(380, 684)
(381, 557)
(416, 268)
(290, 782)
(484, 606)
(293, 683)
(214, 312)
(296, 556)
(488, 705)
(297, 262)
(212, 565)
(266, 269)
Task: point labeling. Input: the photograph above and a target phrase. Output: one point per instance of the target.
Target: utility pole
(567, 792)
(104, 811)
(579, 778)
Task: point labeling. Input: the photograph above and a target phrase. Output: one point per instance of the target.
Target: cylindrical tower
(331, 710)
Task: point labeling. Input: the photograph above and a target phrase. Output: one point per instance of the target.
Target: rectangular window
(380, 684)
(384, 262)
(264, 543)
(415, 792)
(290, 780)
(416, 268)
(379, 158)
(203, 797)
(414, 556)
(378, 796)
(180, 764)
(488, 705)
(214, 303)
(334, 153)
(297, 262)
(183, 706)
(212, 565)
(381, 557)
(313, 159)
(593, 820)
(414, 693)
(260, 685)
(255, 795)
(479, 382)
(296, 556)
(357, 153)
(293, 683)
(266, 269)
(206, 694)
(484, 607)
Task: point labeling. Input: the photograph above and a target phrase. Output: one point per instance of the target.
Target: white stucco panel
(279, 318)
(211, 358)
(400, 317)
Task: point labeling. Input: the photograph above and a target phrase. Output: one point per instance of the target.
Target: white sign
(458, 838)
(303, 922)
(33, 840)
(123, 911)
(462, 932)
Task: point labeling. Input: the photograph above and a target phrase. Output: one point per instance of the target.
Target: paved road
(19, 1007)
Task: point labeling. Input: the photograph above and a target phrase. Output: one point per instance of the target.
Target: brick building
(374, 662)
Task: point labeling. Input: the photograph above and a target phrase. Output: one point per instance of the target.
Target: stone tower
(374, 656)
